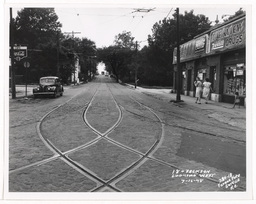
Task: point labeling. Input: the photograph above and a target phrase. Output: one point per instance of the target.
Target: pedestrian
(198, 84)
(237, 100)
(207, 89)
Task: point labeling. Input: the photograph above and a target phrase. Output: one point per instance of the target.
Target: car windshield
(47, 81)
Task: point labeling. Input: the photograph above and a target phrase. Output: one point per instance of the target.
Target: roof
(49, 77)
(219, 25)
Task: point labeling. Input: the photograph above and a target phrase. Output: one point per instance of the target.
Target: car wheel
(55, 95)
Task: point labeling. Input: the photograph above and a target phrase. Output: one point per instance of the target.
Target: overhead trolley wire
(169, 13)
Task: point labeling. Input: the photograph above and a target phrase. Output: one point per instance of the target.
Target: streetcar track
(69, 161)
(65, 158)
(186, 128)
(144, 156)
(166, 163)
(101, 184)
(39, 163)
(193, 121)
(127, 171)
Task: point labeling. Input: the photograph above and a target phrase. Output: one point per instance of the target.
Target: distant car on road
(50, 86)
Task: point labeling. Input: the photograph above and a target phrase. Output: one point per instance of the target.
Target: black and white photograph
(128, 101)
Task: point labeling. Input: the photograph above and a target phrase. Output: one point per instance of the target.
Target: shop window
(201, 74)
(235, 80)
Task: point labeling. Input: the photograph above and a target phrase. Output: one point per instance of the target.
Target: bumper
(44, 93)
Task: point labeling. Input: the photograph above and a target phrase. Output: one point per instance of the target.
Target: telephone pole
(136, 65)
(72, 35)
(178, 78)
(58, 54)
(12, 57)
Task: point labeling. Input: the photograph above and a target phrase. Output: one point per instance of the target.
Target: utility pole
(58, 54)
(90, 68)
(178, 78)
(136, 66)
(12, 57)
(72, 35)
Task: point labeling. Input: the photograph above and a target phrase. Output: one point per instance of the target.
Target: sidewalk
(21, 91)
(220, 111)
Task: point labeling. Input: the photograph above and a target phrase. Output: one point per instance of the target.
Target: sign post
(26, 65)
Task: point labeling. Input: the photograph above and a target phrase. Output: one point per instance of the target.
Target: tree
(158, 56)
(118, 57)
(237, 13)
(125, 40)
(88, 56)
(38, 28)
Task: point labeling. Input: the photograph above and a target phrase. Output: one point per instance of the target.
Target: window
(235, 80)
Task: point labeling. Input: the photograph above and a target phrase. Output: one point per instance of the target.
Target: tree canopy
(36, 27)
(118, 57)
(49, 50)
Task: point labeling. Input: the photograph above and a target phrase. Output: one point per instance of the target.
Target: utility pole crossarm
(72, 33)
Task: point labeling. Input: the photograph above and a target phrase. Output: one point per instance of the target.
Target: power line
(168, 13)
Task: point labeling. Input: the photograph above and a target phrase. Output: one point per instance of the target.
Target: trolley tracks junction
(106, 137)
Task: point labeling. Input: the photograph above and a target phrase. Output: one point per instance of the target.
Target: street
(106, 137)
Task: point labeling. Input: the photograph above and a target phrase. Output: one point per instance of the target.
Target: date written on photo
(197, 176)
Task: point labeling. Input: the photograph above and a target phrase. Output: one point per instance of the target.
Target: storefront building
(217, 54)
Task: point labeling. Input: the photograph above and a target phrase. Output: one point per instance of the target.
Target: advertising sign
(200, 44)
(191, 49)
(228, 36)
(20, 52)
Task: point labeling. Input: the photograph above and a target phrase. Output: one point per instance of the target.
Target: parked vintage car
(50, 86)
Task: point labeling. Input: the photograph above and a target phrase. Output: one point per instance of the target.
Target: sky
(101, 23)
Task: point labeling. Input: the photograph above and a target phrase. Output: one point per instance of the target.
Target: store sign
(200, 44)
(191, 49)
(187, 50)
(228, 36)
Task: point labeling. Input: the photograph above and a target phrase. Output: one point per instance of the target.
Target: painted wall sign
(228, 36)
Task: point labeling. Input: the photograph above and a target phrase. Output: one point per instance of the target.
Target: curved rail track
(111, 183)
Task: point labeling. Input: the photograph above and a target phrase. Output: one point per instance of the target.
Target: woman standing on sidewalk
(207, 90)
(198, 84)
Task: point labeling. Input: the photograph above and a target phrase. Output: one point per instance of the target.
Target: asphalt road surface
(106, 137)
